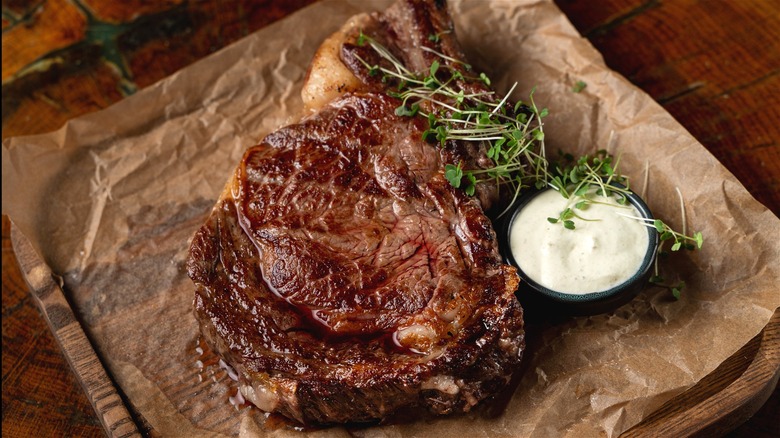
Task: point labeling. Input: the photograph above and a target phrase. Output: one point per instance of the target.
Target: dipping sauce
(599, 254)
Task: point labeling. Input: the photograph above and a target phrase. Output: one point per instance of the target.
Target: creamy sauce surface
(593, 257)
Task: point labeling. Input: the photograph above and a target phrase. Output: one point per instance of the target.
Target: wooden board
(715, 66)
(721, 401)
(48, 295)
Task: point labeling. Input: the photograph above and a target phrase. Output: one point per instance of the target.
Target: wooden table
(714, 65)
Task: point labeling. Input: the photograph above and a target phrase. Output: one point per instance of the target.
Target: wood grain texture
(43, 30)
(713, 64)
(41, 395)
(62, 59)
(725, 398)
(47, 293)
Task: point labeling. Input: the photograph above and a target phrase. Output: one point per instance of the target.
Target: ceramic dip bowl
(589, 259)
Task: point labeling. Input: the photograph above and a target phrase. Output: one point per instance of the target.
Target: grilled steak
(340, 273)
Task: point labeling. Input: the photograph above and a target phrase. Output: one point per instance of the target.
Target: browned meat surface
(344, 278)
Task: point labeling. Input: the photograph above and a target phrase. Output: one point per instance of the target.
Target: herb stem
(682, 209)
(503, 101)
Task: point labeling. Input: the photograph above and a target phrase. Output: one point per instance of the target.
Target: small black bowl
(544, 300)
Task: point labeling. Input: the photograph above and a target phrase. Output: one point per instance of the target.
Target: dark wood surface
(713, 64)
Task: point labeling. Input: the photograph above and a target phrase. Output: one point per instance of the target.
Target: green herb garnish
(676, 289)
(586, 177)
(680, 240)
(437, 37)
(513, 136)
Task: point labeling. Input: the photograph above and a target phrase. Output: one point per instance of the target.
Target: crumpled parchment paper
(113, 198)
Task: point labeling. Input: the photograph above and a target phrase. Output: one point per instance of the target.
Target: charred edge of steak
(464, 380)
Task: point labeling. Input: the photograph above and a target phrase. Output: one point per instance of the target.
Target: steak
(341, 275)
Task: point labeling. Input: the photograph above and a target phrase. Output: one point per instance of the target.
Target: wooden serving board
(46, 289)
(721, 401)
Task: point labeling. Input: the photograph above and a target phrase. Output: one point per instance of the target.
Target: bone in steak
(341, 275)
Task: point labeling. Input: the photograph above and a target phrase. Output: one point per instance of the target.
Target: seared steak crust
(344, 278)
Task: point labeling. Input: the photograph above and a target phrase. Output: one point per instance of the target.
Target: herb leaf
(454, 174)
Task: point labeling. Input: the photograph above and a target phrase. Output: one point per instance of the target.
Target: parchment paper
(113, 198)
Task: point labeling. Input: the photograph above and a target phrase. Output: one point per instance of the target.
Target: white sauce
(593, 257)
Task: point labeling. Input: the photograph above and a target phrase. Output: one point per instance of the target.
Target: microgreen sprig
(680, 240)
(675, 288)
(436, 37)
(582, 180)
(513, 135)
(579, 86)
